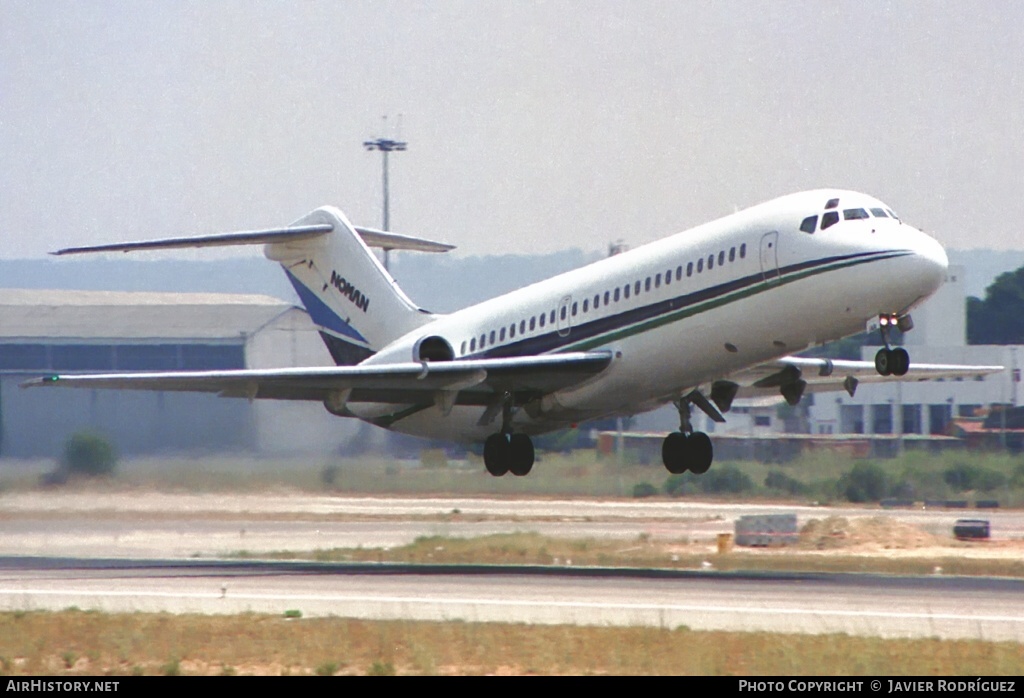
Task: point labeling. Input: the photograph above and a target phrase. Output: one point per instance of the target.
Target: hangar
(46, 331)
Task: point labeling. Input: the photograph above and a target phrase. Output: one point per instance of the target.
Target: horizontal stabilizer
(372, 237)
(394, 241)
(245, 237)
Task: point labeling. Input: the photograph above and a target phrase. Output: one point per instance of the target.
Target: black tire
(521, 455)
(496, 454)
(883, 362)
(900, 362)
(673, 453)
(700, 452)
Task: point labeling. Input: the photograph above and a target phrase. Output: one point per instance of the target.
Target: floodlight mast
(385, 146)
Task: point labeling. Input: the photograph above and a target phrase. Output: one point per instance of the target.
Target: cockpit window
(853, 214)
(809, 224)
(879, 213)
(889, 210)
(829, 218)
(832, 203)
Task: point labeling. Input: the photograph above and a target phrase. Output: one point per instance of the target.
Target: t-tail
(356, 304)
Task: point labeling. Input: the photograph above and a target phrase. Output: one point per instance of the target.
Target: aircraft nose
(932, 260)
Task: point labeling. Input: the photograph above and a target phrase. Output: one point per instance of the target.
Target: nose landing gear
(889, 361)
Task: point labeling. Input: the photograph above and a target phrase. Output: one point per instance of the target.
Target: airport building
(43, 332)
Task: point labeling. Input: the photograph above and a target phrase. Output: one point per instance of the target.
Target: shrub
(866, 482)
(88, 454)
(968, 476)
(725, 479)
(778, 480)
(644, 489)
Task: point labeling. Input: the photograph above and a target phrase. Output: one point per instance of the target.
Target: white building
(43, 332)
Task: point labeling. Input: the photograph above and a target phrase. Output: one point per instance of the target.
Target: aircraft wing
(824, 375)
(468, 382)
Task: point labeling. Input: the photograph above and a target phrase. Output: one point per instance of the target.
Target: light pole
(385, 146)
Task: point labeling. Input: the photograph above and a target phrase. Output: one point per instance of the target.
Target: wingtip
(36, 382)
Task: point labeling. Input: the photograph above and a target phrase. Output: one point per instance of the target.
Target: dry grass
(75, 642)
(645, 552)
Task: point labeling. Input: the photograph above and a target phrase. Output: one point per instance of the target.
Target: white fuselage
(730, 294)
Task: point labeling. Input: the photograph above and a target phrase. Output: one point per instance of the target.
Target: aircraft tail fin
(348, 293)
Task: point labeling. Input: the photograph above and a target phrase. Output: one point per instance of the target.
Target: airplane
(696, 319)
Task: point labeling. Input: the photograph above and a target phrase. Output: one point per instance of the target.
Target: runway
(988, 609)
(165, 552)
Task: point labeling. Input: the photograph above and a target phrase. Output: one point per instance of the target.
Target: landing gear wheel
(673, 453)
(521, 454)
(497, 454)
(700, 452)
(899, 362)
(883, 362)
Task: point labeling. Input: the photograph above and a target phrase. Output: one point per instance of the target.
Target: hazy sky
(532, 126)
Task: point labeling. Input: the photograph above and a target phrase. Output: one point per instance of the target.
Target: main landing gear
(889, 361)
(687, 449)
(506, 452)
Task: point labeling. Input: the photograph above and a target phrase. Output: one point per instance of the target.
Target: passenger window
(832, 203)
(472, 344)
(552, 317)
(689, 268)
(574, 309)
(597, 301)
(512, 331)
(616, 294)
(879, 213)
(721, 258)
(647, 284)
(462, 349)
(743, 251)
(829, 219)
(501, 337)
(586, 302)
(809, 224)
(636, 287)
(563, 313)
(606, 293)
(700, 265)
(711, 262)
(854, 214)
(492, 336)
(732, 254)
(543, 319)
(657, 280)
(625, 291)
(533, 323)
(483, 341)
(668, 277)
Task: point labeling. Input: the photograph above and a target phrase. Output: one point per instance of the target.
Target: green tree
(998, 318)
